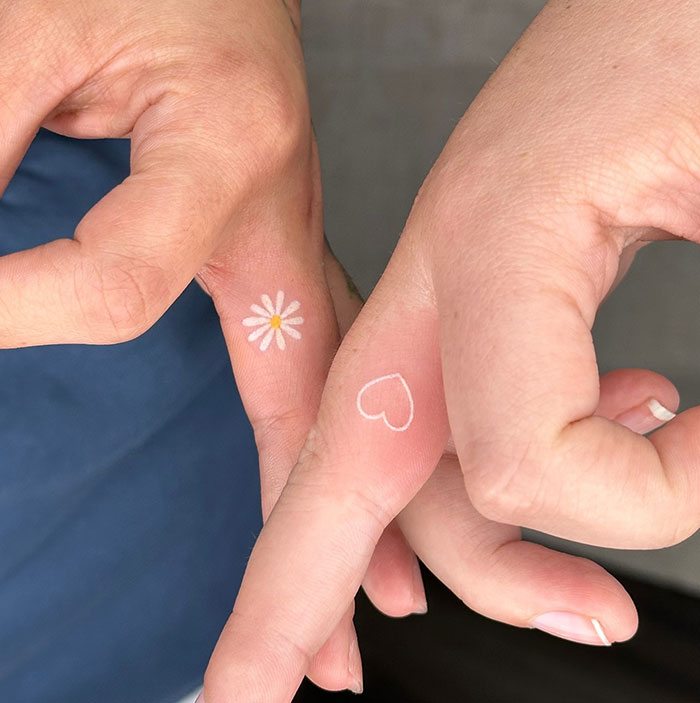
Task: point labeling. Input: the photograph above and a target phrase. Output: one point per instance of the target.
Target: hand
(581, 148)
(224, 186)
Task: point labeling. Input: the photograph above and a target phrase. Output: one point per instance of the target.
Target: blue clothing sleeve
(129, 497)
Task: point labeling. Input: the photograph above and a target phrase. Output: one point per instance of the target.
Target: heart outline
(382, 415)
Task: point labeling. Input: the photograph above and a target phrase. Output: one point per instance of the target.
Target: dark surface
(454, 655)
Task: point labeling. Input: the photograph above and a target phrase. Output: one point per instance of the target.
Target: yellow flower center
(275, 322)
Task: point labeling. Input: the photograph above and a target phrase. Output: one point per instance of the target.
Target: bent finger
(496, 574)
(504, 578)
(558, 467)
(130, 258)
(338, 664)
(393, 581)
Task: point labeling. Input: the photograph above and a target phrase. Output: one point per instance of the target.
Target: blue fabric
(128, 479)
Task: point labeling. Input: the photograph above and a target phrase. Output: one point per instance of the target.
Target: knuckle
(277, 439)
(281, 130)
(260, 137)
(316, 481)
(279, 422)
(651, 179)
(123, 300)
(684, 527)
(509, 489)
(680, 153)
(374, 515)
(276, 115)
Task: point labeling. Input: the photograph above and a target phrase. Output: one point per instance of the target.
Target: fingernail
(645, 417)
(571, 626)
(659, 411)
(355, 667)
(420, 603)
(200, 698)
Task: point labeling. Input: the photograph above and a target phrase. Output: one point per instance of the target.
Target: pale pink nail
(355, 667)
(645, 417)
(200, 698)
(572, 626)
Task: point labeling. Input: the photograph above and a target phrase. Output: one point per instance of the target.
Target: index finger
(314, 550)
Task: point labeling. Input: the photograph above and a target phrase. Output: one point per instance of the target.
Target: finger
(340, 497)
(638, 399)
(560, 468)
(281, 388)
(498, 575)
(115, 277)
(281, 334)
(495, 573)
(394, 584)
(281, 345)
(271, 290)
(130, 258)
(339, 655)
(393, 581)
(284, 408)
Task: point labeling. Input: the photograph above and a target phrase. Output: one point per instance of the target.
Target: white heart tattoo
(381, 415)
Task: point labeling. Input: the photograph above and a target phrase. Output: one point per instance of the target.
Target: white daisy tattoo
(272, 321)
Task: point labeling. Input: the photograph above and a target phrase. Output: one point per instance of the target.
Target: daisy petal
(258, 333)
(267, 339)
(255, 321)
(280, 339)
(291, 331)
(279, 302)
(261, 311)
(267, 303)
(294, 321)
(292, 307)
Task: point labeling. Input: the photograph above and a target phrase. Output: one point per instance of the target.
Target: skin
(582, 147)
(224, 188)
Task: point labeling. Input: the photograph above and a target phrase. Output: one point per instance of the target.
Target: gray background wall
(389, 79)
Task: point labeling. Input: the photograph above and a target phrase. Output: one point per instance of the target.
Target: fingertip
(594, 606)
(565, 595)
(645, 417)
(337, 666)
(625, 389)
(420, 600)
(393, 581)
(356, 684)
(574, 627)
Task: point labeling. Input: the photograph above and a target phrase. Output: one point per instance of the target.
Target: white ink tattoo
(273, 321)
(381, 414)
